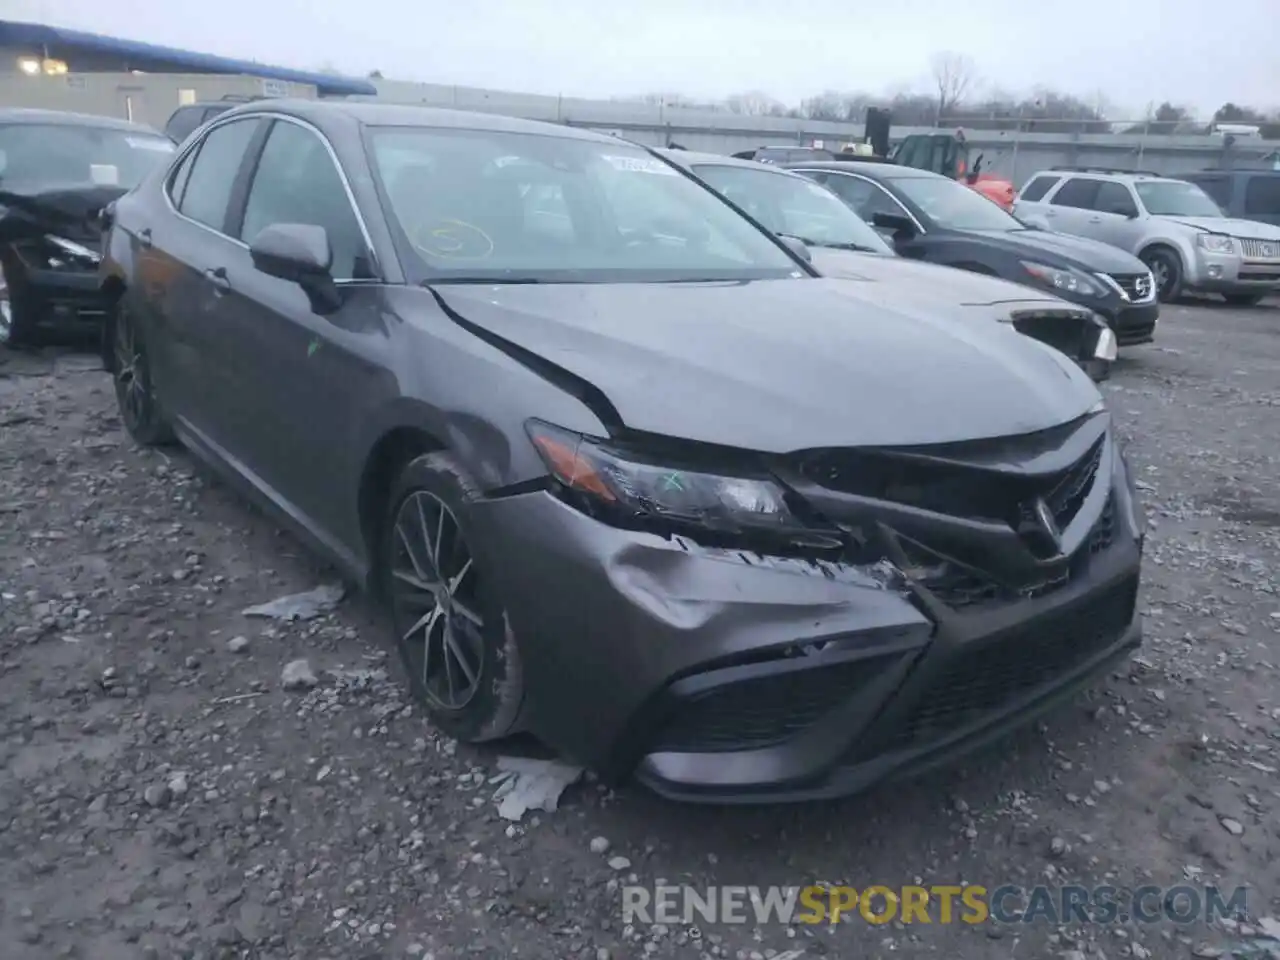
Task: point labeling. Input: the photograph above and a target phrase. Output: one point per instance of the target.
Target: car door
(1071, 206)
(308, 372)
(176, 256)
(1116, 216)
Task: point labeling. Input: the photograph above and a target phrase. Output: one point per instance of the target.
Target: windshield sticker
(150, 143)
(104, 174)
(639, 165)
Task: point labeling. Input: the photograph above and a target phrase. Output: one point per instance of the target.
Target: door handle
(218, 278)
(1095, 219)
(144, 238)
(1051, 213)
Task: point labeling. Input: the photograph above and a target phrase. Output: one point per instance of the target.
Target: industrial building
(36, 49)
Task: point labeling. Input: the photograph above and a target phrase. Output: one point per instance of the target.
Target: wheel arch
(395, 447)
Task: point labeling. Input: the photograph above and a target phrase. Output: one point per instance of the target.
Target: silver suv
(1171, 225)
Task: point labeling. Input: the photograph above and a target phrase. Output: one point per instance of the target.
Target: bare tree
(953, 75)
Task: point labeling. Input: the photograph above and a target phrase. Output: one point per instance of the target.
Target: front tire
(1166, 268)
(450, 626)
(131, 373)
(20, 311)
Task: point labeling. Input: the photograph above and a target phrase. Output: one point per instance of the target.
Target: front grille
(966, 588)
(1260, 249)
(1136, 286)
(764, 711)
(988, 678)
(1063, 331)
(951, 488)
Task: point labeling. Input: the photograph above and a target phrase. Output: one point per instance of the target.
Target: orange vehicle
(943, 153)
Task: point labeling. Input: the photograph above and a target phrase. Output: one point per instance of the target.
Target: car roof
(1121, 176)
(872, 170)
(374, 114)
(690, 158)
(65, 118)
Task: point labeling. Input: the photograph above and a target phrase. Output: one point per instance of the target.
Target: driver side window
(298, 182)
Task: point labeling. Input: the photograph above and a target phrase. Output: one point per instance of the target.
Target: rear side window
(209, 184)
(178, 180)
(1077, 192)
(1037, 188)
(1262, 196)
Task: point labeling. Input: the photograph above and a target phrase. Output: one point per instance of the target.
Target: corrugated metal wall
(151, 98)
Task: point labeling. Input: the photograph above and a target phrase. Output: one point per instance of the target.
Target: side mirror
(298, 252)
(797, 247)
(899, 223)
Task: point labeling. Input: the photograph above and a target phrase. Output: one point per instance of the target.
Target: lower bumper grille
(985, 679)
(764, 711)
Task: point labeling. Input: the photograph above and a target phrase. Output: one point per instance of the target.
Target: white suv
(1171, 225)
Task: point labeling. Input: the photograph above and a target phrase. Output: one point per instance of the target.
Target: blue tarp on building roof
(40, 37)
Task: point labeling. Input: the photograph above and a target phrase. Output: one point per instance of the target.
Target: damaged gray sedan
(625, 472)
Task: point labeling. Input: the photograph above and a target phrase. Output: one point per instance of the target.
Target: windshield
(953, 206)
(1176, 198)
(61, 154)
(493, 205)
(790, 205)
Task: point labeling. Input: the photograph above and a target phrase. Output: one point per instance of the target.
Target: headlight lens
(1215, 243)
(1106, 348)
(633, 489)
(1064, 279)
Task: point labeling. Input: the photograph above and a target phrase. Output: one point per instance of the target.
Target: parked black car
(1246, 194)
(840, 244)
(625, 472)
(57, 173)
(186, 119)
(932, 218)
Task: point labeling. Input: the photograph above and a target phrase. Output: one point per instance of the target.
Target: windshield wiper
(842, 245)
(495, 281)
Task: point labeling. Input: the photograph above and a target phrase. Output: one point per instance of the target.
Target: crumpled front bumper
(704, 671)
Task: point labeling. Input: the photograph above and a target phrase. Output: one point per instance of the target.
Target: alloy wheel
(131, 378)
(1160, 271)
(434, 586)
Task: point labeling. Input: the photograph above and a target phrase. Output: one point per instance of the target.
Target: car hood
(913, 277)
(783, 365)
(1245, 229)
(67, 209)
(1092, 256)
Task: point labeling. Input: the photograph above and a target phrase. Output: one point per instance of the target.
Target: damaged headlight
(635, 489)
(56, 253)
(1065, 279)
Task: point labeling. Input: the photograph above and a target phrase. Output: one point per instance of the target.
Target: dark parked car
(187, 119)
(57, 172)
(624, 471)
(939, 220)
(1243, 194)
(838, 243)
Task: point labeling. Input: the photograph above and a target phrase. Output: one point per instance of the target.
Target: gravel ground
(162, 794)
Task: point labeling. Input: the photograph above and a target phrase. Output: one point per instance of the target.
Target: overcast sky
(1193, 52)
